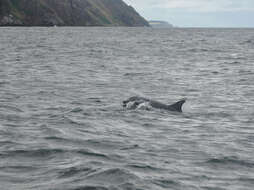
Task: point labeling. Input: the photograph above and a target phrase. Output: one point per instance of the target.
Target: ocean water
(62, 125)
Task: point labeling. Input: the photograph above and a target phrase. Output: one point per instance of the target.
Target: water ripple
(62, 125)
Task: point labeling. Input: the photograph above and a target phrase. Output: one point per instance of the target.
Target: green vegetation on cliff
(68, 13)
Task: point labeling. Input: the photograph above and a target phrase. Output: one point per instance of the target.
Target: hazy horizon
(198, 13)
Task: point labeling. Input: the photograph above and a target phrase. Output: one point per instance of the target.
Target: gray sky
(198, 13)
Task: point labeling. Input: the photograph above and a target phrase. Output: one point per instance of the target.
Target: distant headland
(68, 13)
(160, 24)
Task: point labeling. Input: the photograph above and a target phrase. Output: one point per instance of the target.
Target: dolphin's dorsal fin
(177, 106)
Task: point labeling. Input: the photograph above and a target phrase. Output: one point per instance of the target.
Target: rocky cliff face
(68, 13)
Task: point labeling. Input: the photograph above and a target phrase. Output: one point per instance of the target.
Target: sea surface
(63, 127)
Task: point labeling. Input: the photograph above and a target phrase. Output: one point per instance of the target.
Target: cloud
(195, 5)
(198, 13)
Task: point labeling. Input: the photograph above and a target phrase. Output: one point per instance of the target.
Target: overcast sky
(198, 13)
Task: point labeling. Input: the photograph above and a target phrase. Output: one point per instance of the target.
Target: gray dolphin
(135, 101)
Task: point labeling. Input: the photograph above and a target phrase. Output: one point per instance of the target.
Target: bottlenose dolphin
(137, 102)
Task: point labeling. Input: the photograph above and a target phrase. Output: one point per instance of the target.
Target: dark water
(62, 125)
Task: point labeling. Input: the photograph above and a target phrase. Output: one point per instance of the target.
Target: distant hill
(68, 13)
(160, 24)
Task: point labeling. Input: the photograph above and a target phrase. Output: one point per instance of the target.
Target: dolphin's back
(135, 101)
(158, 105)
(177, 106)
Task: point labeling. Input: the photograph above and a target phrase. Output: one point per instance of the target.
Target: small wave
(13, 117)
(215, 72)
(143, 167)
(87, 113)
(234, 161)
(18, 168)
(90, 188)
(213, 188)
(33, 153)
(76, 110)
(8, 97)
(97, 100)
(218, 115)
(7, 142)
(166, 183)
(134, 74)
(55, 138)
(114, 175)
(68, 172)
(247, 42)
(67, 119)
(198, 50)
(3, 83)
(50, 152)
(10, 108)
(90, 153)
(233, 63)
(247, 179)
(130, 147)
(245, 72)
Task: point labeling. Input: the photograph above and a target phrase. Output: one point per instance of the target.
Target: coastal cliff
(68, 13)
